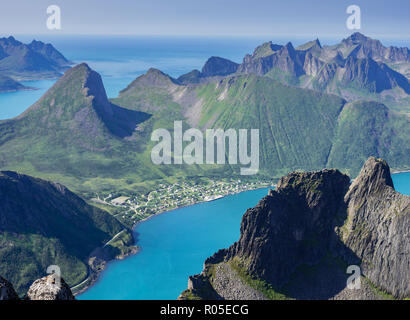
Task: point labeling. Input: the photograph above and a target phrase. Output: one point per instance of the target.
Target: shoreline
(94, 276)
(401, 171)
(192, 204)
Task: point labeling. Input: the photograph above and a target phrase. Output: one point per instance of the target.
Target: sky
(313, 18)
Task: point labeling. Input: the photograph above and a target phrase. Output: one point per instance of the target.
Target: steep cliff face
(216, 66)
(377, 228)
(358, 62)
(372, 75)
(298, 241)
(292, 226)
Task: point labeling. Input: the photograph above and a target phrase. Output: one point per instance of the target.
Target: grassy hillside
(366, 129)
(75, 136)
(42, 224)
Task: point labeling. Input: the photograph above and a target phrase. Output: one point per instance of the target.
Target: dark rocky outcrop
(357, 62)
(35, 60)
(300, 238)
(377, 228)
(293, 225)
(7, 291)
(217, 66)
(213, 67)
(372, 75)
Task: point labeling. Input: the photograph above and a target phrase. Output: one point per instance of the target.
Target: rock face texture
(293, 225)
(357, 61)
(216, 66)
(7, 291)
(48, 288)
(301, 238)
(378, 228)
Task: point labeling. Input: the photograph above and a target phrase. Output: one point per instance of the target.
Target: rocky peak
(293, 225)
(152, 78)
(49, 288)
(217, 66)
(10, 41)
(372, 75)
(356, 38)
(7, 291)
(302, 236)
(310, 46)
(265, 49)
(377, 228)
(374, 177)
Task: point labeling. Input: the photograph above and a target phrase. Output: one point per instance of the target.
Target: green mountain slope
(366, 129)
(75, 136)
(299, 128)
(44, 223)
(296, 126)
(35, 60)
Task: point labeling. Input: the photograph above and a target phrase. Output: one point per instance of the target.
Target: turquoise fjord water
(175, 244)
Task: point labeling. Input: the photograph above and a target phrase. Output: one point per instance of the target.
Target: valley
(314, 107)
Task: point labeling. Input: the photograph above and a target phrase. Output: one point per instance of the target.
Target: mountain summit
(299, 240)
(36, 60)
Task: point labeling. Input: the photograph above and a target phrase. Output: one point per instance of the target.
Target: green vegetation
(369, 128)
(134, 207)
(379, 291)
(260, 285)
(46, 224)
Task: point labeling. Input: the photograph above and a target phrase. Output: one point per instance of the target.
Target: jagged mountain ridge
(282, 113)
(298, 241)
(357, 68)
(358, 61)
(85, 139)
(35, 60)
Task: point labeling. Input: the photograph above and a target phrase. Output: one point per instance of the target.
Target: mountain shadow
(299, 240)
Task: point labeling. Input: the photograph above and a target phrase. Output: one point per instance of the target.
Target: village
(136, 207)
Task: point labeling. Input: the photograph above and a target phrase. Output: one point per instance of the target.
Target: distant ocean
(173, 245)
(121, 59)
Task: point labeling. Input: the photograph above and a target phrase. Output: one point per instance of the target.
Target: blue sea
(120, 59)
(173, 245)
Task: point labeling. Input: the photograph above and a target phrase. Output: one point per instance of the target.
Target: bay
(175, 244)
